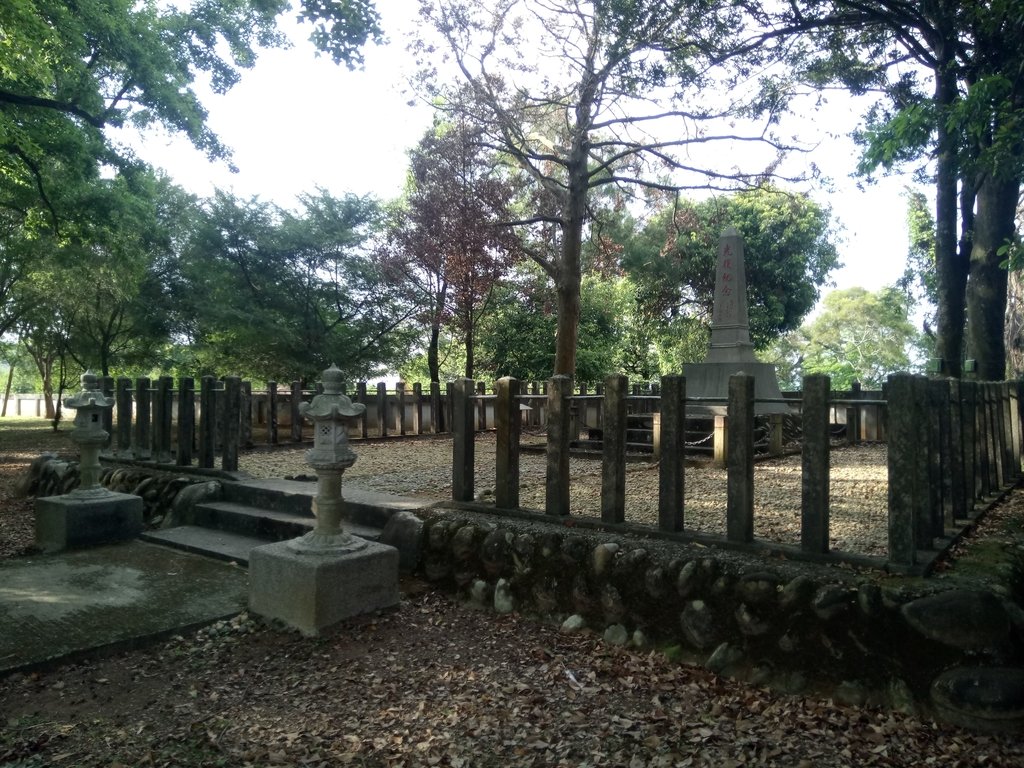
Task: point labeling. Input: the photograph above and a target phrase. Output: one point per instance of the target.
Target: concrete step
(220, 545)
(367, 508)
(266, 524)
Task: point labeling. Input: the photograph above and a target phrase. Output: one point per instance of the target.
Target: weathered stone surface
(689, 579)
(757, 588)
(787, 643)
(575, 550)
(982, 698)
(312, 592)
(65, 522)
(869, 599)
(546, 595)
(187, 498)
(969, 621)
(639, 639)
(438, 536)
(495, 551)
(616, 634)
(436, 568)
(698, 625)
(630, 566)
(464, 543)
(656, 582)
(524, 549)
(404, 532)
(724, 658)
(852, 693)
(797, 593)
(573, 625)
(602, 558)
(722, 585)
(480, 593)
(550, 544)
(750, 624)
(831, 601)
(504, 601)
(612, 604)
(583, 599)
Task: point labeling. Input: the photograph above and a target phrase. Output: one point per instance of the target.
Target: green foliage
(859, 336)
(788, 254)
(276, 294)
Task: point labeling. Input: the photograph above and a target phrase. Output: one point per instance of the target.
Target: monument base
(313, 591)
(70, 522)
(712, 380)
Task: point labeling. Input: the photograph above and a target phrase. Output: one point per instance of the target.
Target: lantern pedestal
(74, 521)
(311, 591)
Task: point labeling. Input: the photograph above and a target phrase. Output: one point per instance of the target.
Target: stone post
(481, 391)
(90, 514)
(556, 484)
(327, 575)
(720, 444)
(435, 408)
(143, 411)
(245, 437)
(162, 419)
(232, 423)
(296, 411)
(124, 416)
(814, 495)
(903, 436)
(186, 420)
(448, 420)
(535, 407)
(1015, 426)
(361, 398)
(775, 435)
(382, 409)
(463, 439)
(272, 412)
(613, 459)
(400, 396)
(207, 421)
(969, 424)
(107, 387)
(936, 426)
(853, 415)
(417, 408)
(740, 462)
(957, 481)
(672, 445)
(509, 423)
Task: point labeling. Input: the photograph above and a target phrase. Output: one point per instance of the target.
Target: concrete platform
(76, 604)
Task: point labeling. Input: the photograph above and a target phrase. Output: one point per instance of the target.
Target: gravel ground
(859, 486)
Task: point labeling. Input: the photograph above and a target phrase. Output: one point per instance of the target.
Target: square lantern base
(70, 522)
(313, 591)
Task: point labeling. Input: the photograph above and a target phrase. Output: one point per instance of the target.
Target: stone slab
(313, 591)
(78, 604)
(712, 380)
(221, 545)
(69, 522)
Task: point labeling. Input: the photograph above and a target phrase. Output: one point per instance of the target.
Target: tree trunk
(986, 286)
(433, 358)
(567, 283)
(950, 266)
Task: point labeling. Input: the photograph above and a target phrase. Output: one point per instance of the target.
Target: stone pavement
(69, 605)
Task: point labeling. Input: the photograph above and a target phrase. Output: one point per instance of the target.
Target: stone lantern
(90, 514)
(327, 575)
(88, 434)
(331, 413)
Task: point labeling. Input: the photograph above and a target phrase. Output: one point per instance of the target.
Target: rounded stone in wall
(982, 698)
(969, 621)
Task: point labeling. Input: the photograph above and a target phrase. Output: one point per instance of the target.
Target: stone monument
(327, 575)
(90, 514)
(731, 351)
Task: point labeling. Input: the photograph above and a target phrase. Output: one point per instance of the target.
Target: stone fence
(952, 446)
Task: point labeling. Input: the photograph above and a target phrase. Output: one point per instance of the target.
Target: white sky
(296, 122)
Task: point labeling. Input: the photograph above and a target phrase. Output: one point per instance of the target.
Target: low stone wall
(858, 637)
(162, 492)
